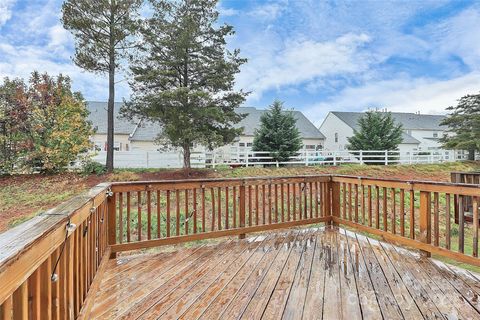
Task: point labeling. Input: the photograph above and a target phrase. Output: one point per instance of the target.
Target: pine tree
(378, 131)
(278, 133)
(464, 126)
(184, 76)
(102, 31)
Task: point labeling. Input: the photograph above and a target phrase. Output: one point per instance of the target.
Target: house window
(241, 144)
(435, 135)
(117, 146)
(249, 144)
(336, 137)
(127, 147)
(310, 147)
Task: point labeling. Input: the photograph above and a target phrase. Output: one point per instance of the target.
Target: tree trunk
(111, 96)
(471, 155)
(186, 157)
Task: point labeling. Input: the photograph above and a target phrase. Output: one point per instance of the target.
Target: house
(141, 134)
(421, 132)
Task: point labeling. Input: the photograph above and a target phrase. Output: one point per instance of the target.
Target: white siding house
(421, 131)
(141, 135)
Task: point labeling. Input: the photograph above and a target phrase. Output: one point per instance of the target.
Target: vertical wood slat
(55, 284)
(294, 200)
(344, 200)
(282, 200)
(20, 302)
(447, 221)
(256, 205)
(393, 209)
(269, 203)
(149, 215)
(377, 207)
(120, 217)
(385, 211)
(425, 218)
(402, 212)
(461, 223)
(264, 205)
(112, 222)
(203, 209)
(34, 295)
(234, 213)
(250, 209)
(276, 202)
(139, 215)
(168, 212)
(241, 209)
(219, 205)
(159, 216)
(226, 208)
(475, 226)
(412, 214)
(369, 196)
(356, 203)
(46, 289)
(177, 212)
(212, 199)
(317, 196)
(6, 309)
(187, 214)
(350, 201)
(436, 224)
(288, 202)
(195, 210)
(128, 216)
(363, 204)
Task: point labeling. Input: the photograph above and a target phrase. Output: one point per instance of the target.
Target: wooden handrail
(120, 216)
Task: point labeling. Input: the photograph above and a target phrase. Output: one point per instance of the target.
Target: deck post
(242, 209)
(425, 219)
(335, 204)
(112, 222)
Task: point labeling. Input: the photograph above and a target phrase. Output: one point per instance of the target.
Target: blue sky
(314, 55)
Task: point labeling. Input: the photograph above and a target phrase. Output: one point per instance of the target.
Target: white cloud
(405, 94)
(301, 61)
(6, 11)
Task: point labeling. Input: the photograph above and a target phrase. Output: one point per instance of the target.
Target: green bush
(93, 167)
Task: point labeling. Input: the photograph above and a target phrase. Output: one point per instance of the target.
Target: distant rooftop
(409, 121)
(147, 131)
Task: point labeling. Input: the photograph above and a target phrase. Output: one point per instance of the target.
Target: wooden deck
(292, 274)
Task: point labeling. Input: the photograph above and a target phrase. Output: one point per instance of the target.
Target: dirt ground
(24, 196)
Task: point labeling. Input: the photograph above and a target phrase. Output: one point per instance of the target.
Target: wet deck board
(292, 274)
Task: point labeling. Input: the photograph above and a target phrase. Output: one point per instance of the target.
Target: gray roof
(410, 121)
(252, 122)
(147, 131)
(98, 117)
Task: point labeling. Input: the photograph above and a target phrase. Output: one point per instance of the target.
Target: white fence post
(306, 158)
(334, 158)
(361, 156)
(147, 158)
(246, 160)
(386, 157)
(213, 159)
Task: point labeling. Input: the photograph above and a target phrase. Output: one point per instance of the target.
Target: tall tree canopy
(378, 131)
(463, 123)
(102, 31)
(45, 123)
(14, 125)
(278, 133)
(184, 76)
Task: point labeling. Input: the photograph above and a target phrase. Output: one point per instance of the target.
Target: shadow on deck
(292, 274)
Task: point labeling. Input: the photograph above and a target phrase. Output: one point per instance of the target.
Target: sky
(316, 56)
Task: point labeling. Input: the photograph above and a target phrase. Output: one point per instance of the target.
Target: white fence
(245, 157)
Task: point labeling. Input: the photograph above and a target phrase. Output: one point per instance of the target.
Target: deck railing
(50, 266)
